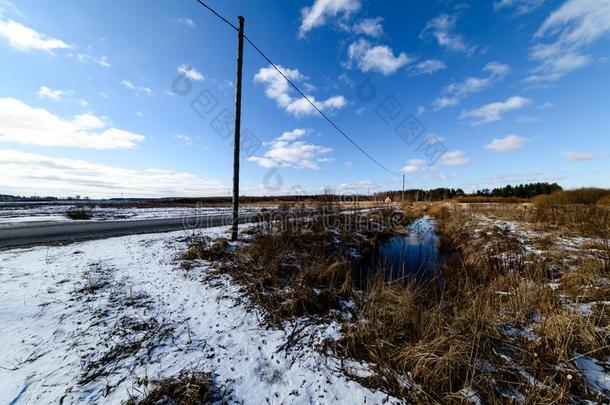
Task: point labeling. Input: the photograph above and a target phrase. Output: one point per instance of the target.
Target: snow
(11, 215)
(66, 310)
(470, 396)
(596, 374)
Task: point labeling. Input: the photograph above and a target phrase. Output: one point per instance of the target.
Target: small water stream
(415, 254)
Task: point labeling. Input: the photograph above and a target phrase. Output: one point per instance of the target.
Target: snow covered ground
(89, 322)
(56, 213)
(596, 373)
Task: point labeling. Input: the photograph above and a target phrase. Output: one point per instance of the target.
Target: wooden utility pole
(240, 60)
(403, 188)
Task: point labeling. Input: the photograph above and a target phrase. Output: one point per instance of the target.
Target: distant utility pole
(240, 60)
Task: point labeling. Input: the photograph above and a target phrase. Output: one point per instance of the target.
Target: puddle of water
(413, 255)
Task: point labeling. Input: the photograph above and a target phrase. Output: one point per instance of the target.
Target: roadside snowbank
(91, 321)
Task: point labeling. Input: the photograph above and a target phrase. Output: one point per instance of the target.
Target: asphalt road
(21, 235)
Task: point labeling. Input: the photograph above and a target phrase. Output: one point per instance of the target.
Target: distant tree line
(521, 191)
(8, 197)
(436, 194)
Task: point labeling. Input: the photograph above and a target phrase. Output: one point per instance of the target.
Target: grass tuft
(189, 388)
(200, 248)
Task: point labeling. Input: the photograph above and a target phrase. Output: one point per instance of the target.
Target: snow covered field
(10, 215)
(90, 322)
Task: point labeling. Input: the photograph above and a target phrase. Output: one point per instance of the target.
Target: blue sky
(105, 99)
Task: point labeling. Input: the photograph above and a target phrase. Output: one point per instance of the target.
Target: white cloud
(84, 57)
(442, 29)
(439, 177)
(379, 58)
(26, 39)
(358, 187)
(317, 15)
(300, 107)
(293, 135)
(23, 124)
(434, 138)
(445, 102)
(23, 38)
(186, 22)
(61, 95)
(278, 89)
(572, 27)
(8, 7)
(554, 62)
(413, 165)
(493, 111)
(523, 178)
(584, 156)
(578, 22)
(137, 89)
(55, 95)
(429, 67)
(33, 174)
(103, 61)
(185, 140)
(519, 6)
(190, 73)
(455, 92)
(345, 79)
(454, 158)
(497, 69)
(369, 26)
(507, 144)
(289, 151)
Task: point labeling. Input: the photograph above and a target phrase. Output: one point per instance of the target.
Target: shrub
(203, 249)
(605, 200)
(489, 199)
(79, 213)
(587, 196)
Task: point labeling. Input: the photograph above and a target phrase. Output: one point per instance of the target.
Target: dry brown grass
(493, 309)
(308, 267)
(588, 196)
(493, 323)
(201, 248)
(588, 281)
(564, 333)
(417, 330)
(605, 201)
(562, 219)
(188, 388)
(489, 199)
(521, 299)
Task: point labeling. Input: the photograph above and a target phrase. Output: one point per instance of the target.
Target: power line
(294, 86)
(320, 111)
(217, 15)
